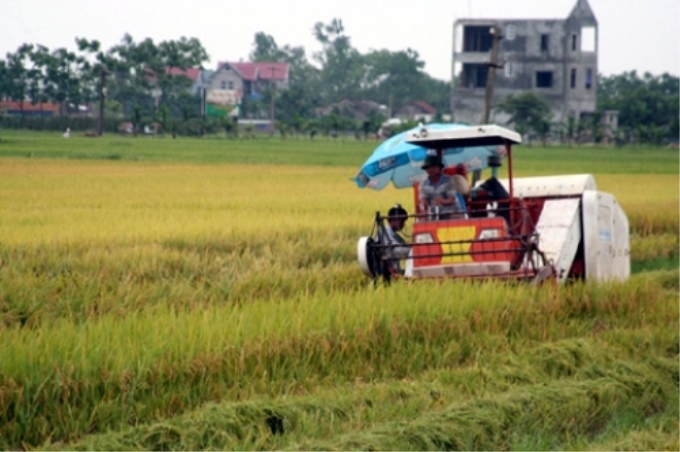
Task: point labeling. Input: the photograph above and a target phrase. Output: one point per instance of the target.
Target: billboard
(222, 102)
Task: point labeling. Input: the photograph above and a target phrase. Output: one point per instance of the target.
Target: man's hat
(432, 160)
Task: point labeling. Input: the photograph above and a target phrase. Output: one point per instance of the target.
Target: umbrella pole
(508, 149)
(440, 154)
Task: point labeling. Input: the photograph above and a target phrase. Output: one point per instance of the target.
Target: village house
(418, 111)
(26, 108)
(193, 73)
(250, 79)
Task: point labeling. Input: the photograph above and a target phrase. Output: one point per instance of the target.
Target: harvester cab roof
(533, 229)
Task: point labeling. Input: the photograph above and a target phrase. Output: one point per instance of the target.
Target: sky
(641, 35)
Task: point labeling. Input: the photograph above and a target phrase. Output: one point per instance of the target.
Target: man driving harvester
(437, 194)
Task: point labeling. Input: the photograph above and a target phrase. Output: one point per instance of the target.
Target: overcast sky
(633, 34)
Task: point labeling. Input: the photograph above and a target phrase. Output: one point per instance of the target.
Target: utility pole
(271, 104)
(492, 65)
(102, 95)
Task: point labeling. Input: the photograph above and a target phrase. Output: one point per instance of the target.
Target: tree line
(139, 88)
(647, 108)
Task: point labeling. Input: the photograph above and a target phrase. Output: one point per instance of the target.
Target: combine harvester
(534, 229)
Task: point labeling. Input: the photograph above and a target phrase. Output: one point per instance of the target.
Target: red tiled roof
(425, 107)
(13, 105)
(192, 73)
(260, 70)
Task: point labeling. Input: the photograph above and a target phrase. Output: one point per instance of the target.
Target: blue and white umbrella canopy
(397, 161)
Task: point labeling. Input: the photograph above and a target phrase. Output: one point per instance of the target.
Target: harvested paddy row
(428, 413)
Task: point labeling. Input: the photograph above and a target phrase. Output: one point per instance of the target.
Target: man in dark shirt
(397, 248)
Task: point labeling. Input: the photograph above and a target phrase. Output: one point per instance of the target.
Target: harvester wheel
(369, 257)
(371, 261)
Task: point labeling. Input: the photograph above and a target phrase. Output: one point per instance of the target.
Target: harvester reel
(370, 260)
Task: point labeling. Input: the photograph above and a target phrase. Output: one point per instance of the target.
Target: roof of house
(259, 70)
(193, 73)
(13, 105)
(425, 107)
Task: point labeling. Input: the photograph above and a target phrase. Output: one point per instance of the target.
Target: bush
(57, 123)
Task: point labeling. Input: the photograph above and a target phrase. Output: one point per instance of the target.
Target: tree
(62, 79)
(143, 76)
(265, 49)
(4, 79)
(542, 128)
(342, 69)
(648, 102)
(381, 76)
(16, 75)
(393, 75)
(528, 112)
(302, 96)
(570, 128)
(595, 128)
(39, 58)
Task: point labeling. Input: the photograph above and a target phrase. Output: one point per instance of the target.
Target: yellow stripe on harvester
(455, 234)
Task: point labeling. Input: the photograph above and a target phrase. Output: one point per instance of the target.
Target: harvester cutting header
(531, 229)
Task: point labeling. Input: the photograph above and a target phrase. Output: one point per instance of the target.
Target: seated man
(437, 194)
(397, 248)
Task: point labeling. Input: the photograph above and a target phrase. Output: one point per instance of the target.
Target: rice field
(200, 294)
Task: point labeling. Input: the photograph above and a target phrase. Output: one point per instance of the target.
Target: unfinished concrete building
(552, 57)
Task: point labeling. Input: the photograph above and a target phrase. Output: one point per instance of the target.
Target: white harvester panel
(540, 187)
(559, 229)
(605, 237)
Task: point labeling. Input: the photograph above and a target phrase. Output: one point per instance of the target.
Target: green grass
(529, 160)
(659, 263)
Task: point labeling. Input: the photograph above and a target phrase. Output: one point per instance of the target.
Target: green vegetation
(529, 160)
(647, 105)
(141, 91)
(168, 299)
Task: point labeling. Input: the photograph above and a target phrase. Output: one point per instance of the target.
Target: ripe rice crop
(197, 294)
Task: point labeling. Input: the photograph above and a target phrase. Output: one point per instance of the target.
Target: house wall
(261, 85)
(226, 78)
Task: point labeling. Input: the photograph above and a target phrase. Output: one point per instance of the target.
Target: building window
(589, 78)
(510, 32)
(544, 79)
(572, 78)
(474, 75)
(509, 70)
(574, 41)
(545, 41)
(477, 38)
(231, 85)
(223, 85)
